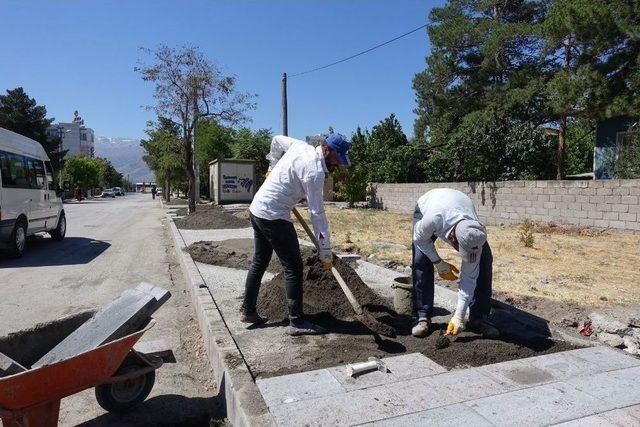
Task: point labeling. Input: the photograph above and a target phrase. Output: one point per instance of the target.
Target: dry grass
(568, 264)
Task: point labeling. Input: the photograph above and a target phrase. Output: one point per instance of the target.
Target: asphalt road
(111, 245)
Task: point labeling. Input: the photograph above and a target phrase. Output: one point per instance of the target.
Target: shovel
(361, 314)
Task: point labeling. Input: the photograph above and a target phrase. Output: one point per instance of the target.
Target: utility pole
(285, 124)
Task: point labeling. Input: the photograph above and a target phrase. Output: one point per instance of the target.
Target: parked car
(108, 192)
(119, 191)
(30, 199)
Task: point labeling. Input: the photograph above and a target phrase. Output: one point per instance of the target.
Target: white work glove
(446, 271)
(456, 324)
(326, 258)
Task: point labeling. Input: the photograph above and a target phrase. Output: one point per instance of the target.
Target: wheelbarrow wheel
(122, 396)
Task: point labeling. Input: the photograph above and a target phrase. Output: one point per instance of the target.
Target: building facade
(76, 138)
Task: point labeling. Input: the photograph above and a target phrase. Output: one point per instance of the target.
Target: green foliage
(581, 141)
(255, 146)
(21, 114)
(526, 233)
(528, 64)
(83, 172)
(628, 163)
(164, 153)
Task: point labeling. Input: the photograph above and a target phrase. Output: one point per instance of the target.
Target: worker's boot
(484, 327)
(303, 327)
(253, 318)
(422, 328)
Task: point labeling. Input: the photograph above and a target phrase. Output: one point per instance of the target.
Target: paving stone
(541, 405)
(452, 415)
(611, 340)
(604, 323)
(8, 366)
(619, 387)
(541, 369)
(617, 417)
(295, 387)
(405, 367)
(356, 407)
(446, 389)
(606, 358)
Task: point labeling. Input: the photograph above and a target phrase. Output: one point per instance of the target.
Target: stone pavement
(590, 386)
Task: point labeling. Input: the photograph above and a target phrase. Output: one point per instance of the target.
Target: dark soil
(326, 305)
(322, 294)
(211, 217)
(176, 202)
(233, 253)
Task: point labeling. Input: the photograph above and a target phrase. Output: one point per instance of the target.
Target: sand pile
(322, 293)
(211, 217)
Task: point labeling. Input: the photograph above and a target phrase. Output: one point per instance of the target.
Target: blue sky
(80, 55)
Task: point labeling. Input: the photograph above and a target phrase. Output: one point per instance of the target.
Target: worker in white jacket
(450, 215)
(296, 171)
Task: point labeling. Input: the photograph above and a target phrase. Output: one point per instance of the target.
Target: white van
(29, 200)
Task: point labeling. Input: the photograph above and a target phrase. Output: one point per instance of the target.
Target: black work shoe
(484, 327)
(302, 327)
(253, 318)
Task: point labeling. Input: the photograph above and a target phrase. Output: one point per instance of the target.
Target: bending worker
(450, 215)
(296, 171)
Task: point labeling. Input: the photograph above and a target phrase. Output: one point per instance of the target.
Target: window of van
(51, 185)
(36, 174)
(15, 172)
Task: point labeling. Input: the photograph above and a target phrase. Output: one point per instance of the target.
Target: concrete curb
(244, 403)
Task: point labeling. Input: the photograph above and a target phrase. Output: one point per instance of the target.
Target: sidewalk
(594, 385)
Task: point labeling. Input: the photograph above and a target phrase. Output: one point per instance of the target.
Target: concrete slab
(446, 389)
(541, 405)
(359, 406)
(122, 316)
(619, 388)
(295, 387)
(606, 358)
(452, 415)
(405, 367)
(8, 366)
(617, 417)
(542, 369)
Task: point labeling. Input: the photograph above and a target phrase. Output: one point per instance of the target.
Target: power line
(359, 53)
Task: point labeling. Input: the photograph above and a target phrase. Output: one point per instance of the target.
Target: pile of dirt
(211, 217)
(323, 297)
(232, 253)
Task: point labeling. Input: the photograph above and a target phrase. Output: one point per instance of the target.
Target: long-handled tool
(361, 314)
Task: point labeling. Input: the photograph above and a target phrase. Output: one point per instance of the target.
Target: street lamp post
(61, 134)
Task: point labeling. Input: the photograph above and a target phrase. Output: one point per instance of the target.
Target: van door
(38, 194)
(55, 203)
(16, 189)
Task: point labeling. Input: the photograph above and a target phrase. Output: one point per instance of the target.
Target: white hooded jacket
(297, 171)
(437, 213)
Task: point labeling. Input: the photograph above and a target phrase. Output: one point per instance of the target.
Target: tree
(164, 154)
(187, 86)
(83, 172)
(21, 114)
(255, 146)
(214, 142)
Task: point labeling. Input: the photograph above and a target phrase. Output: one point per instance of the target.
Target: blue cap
(340, 144)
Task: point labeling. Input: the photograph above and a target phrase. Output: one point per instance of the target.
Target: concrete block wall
(601, 203)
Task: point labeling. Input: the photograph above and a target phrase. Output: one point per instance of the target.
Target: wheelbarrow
(122, 376)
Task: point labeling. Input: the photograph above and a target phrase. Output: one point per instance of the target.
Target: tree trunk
(563, 119)
(191, 178)
(167, 190)
(562, 134)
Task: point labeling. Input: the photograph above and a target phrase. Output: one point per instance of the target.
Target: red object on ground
(586, 330)
(32, 397)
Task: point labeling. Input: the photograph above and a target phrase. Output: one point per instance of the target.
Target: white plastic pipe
(374, 364)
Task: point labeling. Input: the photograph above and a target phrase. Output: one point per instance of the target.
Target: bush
(526, 233)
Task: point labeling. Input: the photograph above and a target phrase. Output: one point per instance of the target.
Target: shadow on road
(42, 251)
(167, 410)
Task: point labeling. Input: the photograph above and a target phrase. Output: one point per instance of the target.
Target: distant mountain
(125, 155)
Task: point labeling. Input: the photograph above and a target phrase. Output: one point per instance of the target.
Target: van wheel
(19, 238)
(60, 231)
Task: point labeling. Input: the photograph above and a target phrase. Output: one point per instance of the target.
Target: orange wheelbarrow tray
(122, 376)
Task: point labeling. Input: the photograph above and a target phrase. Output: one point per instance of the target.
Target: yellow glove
(326, 258)
(455, 325)
(447, 271)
